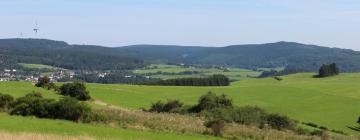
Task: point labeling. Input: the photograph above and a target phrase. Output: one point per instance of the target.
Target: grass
(331, 102)
(18, 89)
(233, 73)
(38, 66)
(16, 124)
(37, 136)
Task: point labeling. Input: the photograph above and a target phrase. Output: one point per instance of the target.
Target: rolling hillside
(294, 56)
(331, 102)
(61, 54)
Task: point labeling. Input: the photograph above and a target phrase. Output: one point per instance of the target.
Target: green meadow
(66, 128)
(332, 102)
(232, 73)
(38, 66)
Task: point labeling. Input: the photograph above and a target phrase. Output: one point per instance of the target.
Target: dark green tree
(5, 102)
(43, 81)
(211, 101)
(76, 90)
(328, 70)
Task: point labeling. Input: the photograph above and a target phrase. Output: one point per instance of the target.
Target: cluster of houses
(13, 75)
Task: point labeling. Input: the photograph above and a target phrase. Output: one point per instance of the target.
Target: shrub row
(34, 104)
(214, 80)
(217, 108)
(76, 89)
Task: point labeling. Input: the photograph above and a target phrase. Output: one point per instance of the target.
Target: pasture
(15, 124)
(332, 102)
(163, 71)
(38, 66)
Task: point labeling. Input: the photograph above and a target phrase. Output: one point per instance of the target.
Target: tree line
(214, 80)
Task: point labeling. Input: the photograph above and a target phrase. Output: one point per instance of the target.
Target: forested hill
(61, 54)
(292, 55)
(295, 56)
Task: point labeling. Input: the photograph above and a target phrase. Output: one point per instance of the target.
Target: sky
(332, 23)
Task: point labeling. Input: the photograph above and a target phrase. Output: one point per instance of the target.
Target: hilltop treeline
(294, 56)
(61, 54)
(214, 80)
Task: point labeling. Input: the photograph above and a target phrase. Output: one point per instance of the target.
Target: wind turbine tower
(36, 28)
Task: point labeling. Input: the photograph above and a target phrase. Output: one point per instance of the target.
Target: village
(19, 75)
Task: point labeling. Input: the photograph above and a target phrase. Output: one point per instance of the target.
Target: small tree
(76, 90)
(32, 104)
(328, 70)
(211, 101)
(5, 102)
(43, 81)
(69, 109)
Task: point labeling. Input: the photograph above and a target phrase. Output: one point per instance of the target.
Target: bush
(52, 86)
(224, 114)
(43, 81)
(249, 115)
(32, 104)
(157, 107)
(70, 109)
(211, 101)
(217, 126)
(76, 90)
(166, 107)
(172, 104)
(35, 105)
(5, 102)
(279, 122)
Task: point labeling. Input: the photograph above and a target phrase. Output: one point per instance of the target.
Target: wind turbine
(36, 28)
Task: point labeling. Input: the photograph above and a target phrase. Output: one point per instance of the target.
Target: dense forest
(292, 56)
(61, 54)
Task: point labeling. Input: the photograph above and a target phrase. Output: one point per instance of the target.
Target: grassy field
(232, 73)
(38, 66)
(16, 124)
(331, 102)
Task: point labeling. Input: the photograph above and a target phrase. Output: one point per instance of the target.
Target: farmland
(331, 102)
(65, 128)
(299, 96)
(163, 71)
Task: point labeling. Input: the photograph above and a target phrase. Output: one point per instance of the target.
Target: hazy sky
(333, 23)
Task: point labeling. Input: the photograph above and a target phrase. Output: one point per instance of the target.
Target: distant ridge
(279, 54)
